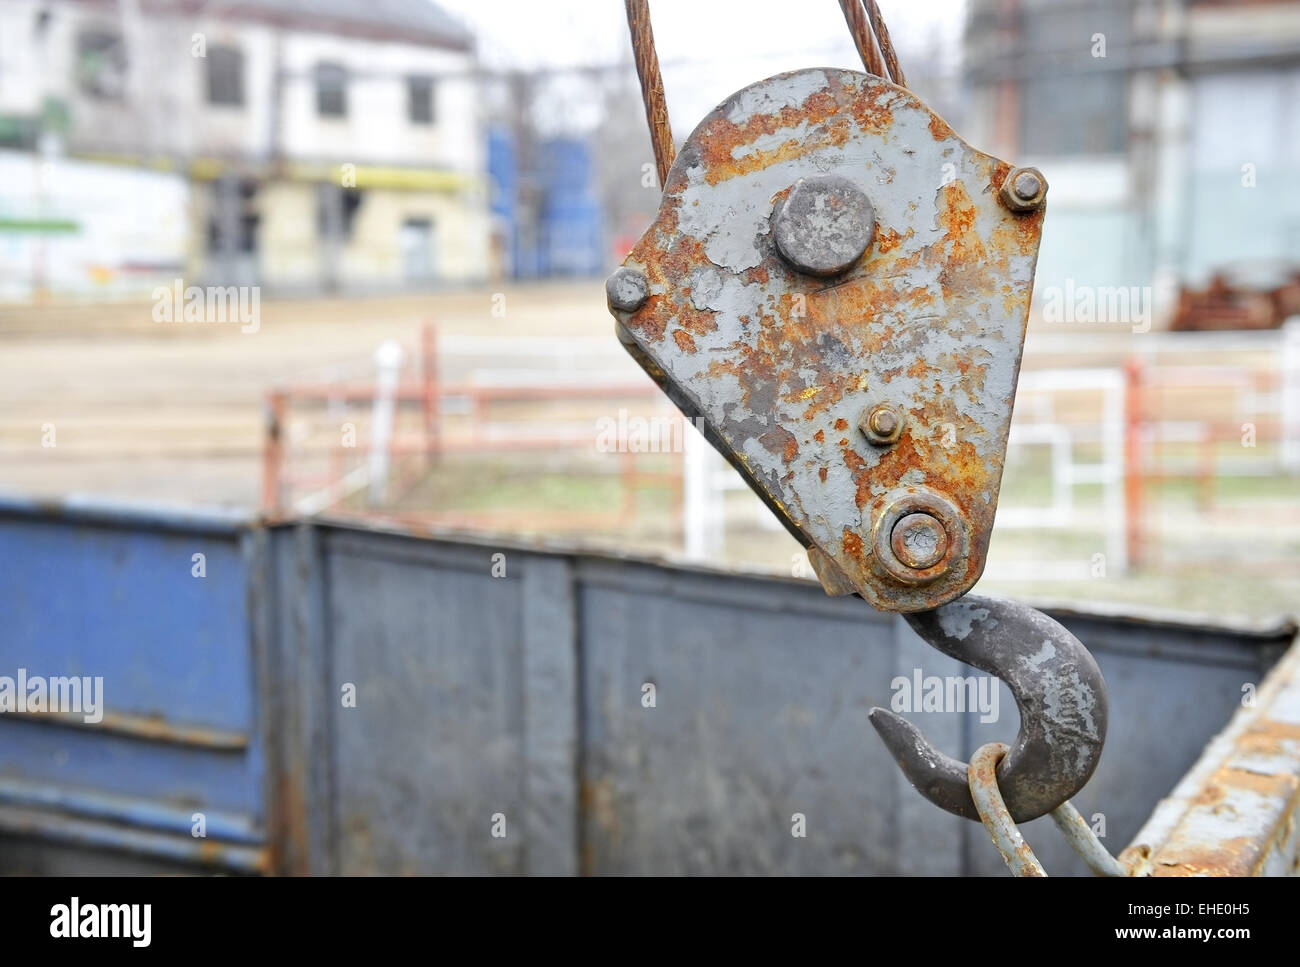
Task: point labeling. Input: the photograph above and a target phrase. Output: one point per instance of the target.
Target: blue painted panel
(92, 592)
(90, 600)
(502, 172)
(91, 761)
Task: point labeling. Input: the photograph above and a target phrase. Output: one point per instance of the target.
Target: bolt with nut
(919, 541)
(626, 289)
(883, 425)
(1024, 190)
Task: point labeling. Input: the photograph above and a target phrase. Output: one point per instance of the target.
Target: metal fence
(336, 699)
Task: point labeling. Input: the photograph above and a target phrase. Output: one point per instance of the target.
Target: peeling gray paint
(946, 285)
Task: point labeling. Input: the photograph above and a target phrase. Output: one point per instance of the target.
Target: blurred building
(548, 213)
(314, 144)
(1168, 130)
(550, 221)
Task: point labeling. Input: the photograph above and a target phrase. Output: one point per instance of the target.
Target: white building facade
(323, 144)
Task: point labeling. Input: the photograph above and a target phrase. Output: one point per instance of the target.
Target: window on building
(416, 241)
(336, 211)
(101, 64)
(419, 99)
(234, 220)
(331, 90)
(225, 76)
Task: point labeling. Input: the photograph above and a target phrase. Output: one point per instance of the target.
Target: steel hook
(1058, 689)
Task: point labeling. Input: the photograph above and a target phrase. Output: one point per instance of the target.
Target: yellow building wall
(460, 236)
(290, 247)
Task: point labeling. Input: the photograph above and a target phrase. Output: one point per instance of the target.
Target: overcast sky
(710, 48)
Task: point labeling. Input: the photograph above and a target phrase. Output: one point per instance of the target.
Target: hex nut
(882, 425)
(1023, 190)
(626, 289)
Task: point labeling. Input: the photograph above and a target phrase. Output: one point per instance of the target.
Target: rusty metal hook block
(1058, 689)
(839, 285)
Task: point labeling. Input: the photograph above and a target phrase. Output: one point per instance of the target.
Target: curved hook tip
(1058, 689)
(938, 777)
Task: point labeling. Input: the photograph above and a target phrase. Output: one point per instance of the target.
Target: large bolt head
(824, 225)
(626, 290)
(1024, 190)
(919, 537)
(919, 541)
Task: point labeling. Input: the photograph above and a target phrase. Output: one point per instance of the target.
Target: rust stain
(1189, 853)
(873, 112)
(152, 728)
(887, 239)
(597, 801)
(852, 544)
(699, 322)
(288, 834)
(718, 149)
(684, 341)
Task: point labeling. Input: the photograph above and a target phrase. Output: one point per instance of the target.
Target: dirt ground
(174, 412)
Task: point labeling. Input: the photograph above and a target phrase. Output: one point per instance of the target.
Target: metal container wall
(344, 700)
(105, 594)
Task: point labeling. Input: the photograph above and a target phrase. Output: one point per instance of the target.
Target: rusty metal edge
(1276, 628)
(116, 512)
(143, 727)
(1273, 626)
(155, 844)
(189, 518)
(1237, 810)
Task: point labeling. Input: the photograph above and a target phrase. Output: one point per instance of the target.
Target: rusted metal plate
(1237, 812)
(783, 365)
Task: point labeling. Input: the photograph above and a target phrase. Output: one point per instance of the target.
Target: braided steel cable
(863, 36)
(652, 86)
(886, 45)
(866, 25)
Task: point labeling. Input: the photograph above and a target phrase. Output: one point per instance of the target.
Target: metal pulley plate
(839, 286)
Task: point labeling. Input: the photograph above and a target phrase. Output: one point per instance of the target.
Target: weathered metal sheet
(457, 656)
(523, 694)
(784, 365)
(115, 594)
(748, 731)
(1237, 812)
(459, 753)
